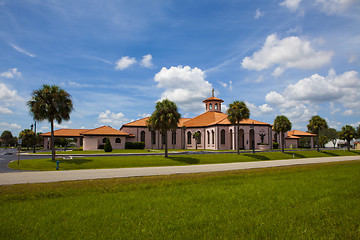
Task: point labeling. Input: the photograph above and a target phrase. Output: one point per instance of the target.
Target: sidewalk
(57, 176)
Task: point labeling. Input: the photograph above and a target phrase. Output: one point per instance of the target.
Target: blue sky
(117, 58)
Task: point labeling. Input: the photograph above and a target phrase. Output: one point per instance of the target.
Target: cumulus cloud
(293, 5)
(185, 86)
(258, 14)
(147, 61)
(8, 97)
(124, 62)
(62, 125)
(11, 73)
(226, 85)
(299, 101)
(290, 52)
(335, 6)
(257, 111)
(4, 110)
(10, 126)
(109, 118)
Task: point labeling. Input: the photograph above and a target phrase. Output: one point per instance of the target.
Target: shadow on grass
(330, 153)
(188, 160)
(72, 161)
(295, 154)
(257, 156)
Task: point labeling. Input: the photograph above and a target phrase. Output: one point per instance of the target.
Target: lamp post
(33, 126)
(253, 137)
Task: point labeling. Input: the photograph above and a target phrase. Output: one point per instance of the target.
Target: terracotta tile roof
(292, 137)
(244, 122)
(105, 130)
(66, 133)
(300, 133)
(213, 99)
(143, 122)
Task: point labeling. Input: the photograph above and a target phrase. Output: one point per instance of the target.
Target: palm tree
(347, 133)
(165, 117)
(50, 103)
(281, 125)
(317, 123)
(237, 112)
(196, 136)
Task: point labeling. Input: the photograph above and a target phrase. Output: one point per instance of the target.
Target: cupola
(213, 104)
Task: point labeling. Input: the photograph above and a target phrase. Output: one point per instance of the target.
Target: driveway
(57, 176)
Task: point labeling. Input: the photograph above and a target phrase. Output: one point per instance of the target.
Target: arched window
(142, 136)
(104, 140)
(153, 138)
(216, 106)
(117, 140)
(199, 138)
(163, 139)
(173, 138)
(212, 137)
(189, 138)
(208, 133)
(222, 133)
(210, 106)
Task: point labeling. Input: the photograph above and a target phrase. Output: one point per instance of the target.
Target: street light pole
(34, 151)
(253, 140)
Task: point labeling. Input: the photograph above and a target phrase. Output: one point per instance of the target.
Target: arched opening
(199, 138)
(142, 136)
(212, 137)
(241, 135)
(153, 138)
(208, 137)
(104, 140)
(210, 106)
(222, 136)
(189, 138)
(251, 139)
(117, 140)
(216, 106)
(231, 139)
(163, 139)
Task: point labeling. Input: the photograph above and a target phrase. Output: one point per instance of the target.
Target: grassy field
(152, 161)
(114, 151)
(304, 202)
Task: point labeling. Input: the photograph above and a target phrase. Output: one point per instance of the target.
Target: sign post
(19, 149)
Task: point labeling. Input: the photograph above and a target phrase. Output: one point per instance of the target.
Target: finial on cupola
(213, 92)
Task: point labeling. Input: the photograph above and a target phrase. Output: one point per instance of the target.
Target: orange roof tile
(205, 119)
(105, 130)
(143, 122)
(213, 99)
(245, 122)
(65, 133)
(300, 133)
(292, 137)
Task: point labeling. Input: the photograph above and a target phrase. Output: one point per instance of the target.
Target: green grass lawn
(114, 151)
(319, 201)
(152, 161)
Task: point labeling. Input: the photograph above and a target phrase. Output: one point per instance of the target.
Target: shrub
(101, 146)
(134, 145)
(275, 145)
(78, 149)
(262, 144)
(108, 147)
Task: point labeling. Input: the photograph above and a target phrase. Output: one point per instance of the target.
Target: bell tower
(213, 104)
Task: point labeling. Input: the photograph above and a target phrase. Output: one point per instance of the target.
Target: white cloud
(116, 120)
(185, 86)
(124, 62)
(9, 126)
(21, 50)
(226, 85)
(11, 73)
(335, 6)
(348, 112)
(290, 52)
(334, 109)
(62, 125)
(4, 110)
(8, 97)
(293, 5)
(258, 14)
(352, 58)
(259, 110)
(147, 61)
(144, 115)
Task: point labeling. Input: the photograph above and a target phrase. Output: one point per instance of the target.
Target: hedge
(134, 145)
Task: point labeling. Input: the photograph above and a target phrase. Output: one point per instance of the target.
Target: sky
(297, 58)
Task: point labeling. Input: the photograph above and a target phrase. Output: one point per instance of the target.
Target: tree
(323, 140)
(358, 131)
(7, 138)
(108, 147)
(196, 136)
(27, 137)
(316, 123)
(50, 103)
(237, 112)
(347, 133)
(331, 134)
(281, 125)
(165, 117)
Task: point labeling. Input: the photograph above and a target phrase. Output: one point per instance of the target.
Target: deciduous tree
(281, 125)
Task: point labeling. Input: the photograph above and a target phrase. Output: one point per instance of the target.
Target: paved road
(57, 176)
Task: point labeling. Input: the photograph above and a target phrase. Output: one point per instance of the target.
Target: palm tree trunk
(166, 144)
(282, 142)
(238, 137)
(52, 144)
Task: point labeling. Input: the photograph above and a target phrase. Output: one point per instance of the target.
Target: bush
(276, 145)
(101, 146)
(78, 149)
(262, 144)
(108, 147)
(134, 145)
